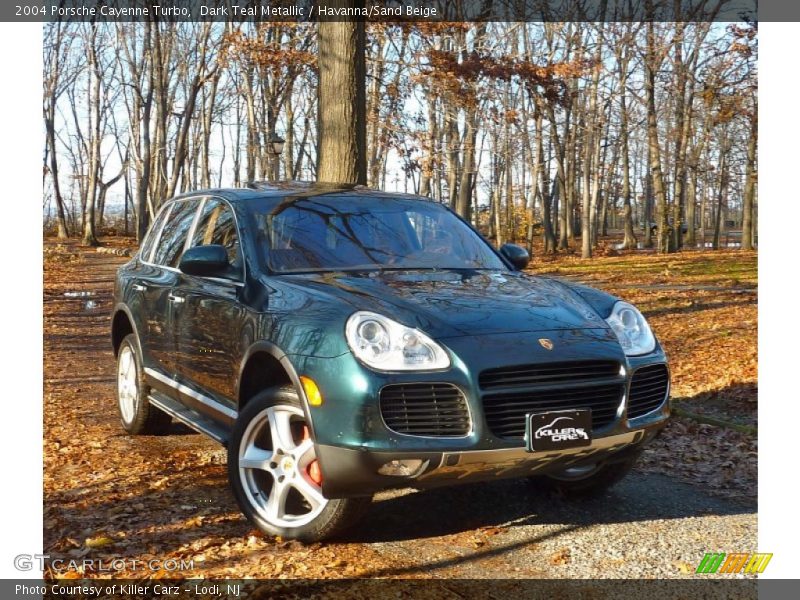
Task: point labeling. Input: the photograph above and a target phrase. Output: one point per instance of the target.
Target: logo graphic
(546, 344)
(563, 434)
(737, 562)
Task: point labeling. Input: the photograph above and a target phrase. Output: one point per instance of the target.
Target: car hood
(456, 303)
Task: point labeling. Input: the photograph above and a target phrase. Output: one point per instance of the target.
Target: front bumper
(353, 442)
(350, 473)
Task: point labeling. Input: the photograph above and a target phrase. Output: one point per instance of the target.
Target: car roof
(296, 190)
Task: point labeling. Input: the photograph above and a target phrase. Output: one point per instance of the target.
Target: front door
(211, 316)
(156, 285)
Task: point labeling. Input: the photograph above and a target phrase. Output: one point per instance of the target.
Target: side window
(152, 233)
(217, 225)
(173, 237)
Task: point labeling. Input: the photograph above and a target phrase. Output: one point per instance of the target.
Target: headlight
(633, 332)
(386, 345)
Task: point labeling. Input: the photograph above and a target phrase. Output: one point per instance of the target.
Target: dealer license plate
(556, 430)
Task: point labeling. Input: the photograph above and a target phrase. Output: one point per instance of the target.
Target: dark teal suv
(340, 341)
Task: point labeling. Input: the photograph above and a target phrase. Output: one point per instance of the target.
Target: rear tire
(137, 415)
(270, 456)
(575, 483)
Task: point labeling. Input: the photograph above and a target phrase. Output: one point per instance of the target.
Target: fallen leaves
(166, 497)
(703, 308)
(684, 567)
(722, 461)
(149, 498)
(98, 542)
(561, 557)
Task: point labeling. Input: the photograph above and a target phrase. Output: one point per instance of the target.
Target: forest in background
(559, 132)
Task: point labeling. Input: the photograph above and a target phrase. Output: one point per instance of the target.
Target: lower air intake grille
(649, 387)
(429, 409)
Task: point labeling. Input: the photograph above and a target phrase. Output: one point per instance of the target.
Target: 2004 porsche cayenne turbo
(340, 341)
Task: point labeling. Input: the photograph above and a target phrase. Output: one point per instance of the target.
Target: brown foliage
(455, 75)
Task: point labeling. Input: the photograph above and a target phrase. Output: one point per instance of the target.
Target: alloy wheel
(276, 462)
(127, 384)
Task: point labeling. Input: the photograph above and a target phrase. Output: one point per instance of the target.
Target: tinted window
(173, 237)
(152, 234)
(362, 233)
(217, 225)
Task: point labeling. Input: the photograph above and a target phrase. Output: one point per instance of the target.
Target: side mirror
(516, 255)
(205, 261)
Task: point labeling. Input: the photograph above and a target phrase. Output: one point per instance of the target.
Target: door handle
(176, 299)
(138, 287)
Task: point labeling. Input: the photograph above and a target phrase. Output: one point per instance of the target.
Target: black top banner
(392, 11)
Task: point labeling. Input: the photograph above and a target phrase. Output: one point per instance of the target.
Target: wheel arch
(265, 356)
(123, 324)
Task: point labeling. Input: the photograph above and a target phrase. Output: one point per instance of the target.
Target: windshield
(355, 233)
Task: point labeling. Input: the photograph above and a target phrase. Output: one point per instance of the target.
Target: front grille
(648, 391)
(561, 372)
(505, 413)
(429, 409)
(524, 389)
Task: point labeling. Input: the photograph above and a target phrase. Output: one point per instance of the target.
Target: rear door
(211, 317)
(157, 282)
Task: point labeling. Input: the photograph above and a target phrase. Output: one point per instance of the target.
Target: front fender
(278, 354)
(601, 302)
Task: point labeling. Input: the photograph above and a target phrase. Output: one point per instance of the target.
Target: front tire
(587, 481)
(274, 476)
(137, 415)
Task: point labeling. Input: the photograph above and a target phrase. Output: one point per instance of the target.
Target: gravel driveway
(647, 526)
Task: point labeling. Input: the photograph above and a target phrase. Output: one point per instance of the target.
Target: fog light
(312, 391)
(403, 468)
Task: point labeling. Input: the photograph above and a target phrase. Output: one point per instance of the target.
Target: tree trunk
(208, 114)
(342, 156)
(142, 187)
(648, 204)
(562, 205)
(427, 164)
(288, 150)
(451, 142)
(681, 134)
(591, 155)
(374, 126)
(750, 183)
(548, 194)
(63, 230)
(464, 198)
(629, 241)
(89, 233)
(651, 64)
(722, 185)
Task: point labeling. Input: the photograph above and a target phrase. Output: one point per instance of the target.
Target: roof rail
(294, 185)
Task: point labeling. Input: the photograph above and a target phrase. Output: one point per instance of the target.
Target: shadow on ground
(430, 513)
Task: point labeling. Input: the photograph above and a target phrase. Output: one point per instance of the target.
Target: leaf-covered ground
(108, 495)
(703, 307)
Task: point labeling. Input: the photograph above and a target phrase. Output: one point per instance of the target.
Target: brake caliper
(313, 470)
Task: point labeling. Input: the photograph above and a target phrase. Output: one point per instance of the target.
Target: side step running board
(189, 417)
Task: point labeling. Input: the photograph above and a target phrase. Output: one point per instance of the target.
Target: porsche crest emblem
(546, 344)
